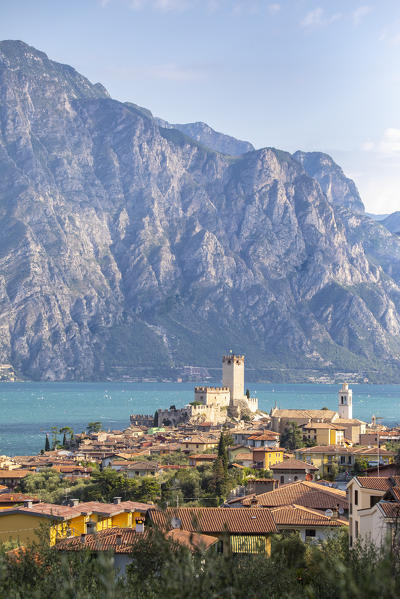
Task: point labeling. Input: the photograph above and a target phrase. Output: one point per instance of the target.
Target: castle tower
(233, 375)
(345, 398)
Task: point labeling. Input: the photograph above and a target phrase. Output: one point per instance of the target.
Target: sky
(316, 75)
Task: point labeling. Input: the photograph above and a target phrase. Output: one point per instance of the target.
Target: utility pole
(377, 436)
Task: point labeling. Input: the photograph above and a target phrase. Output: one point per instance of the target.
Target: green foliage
(94, 427)
(292, 437)
(360, 465)
(161, 569)
(47, 444)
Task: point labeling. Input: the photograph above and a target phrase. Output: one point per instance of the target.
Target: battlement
(211, 389)
(232, 358)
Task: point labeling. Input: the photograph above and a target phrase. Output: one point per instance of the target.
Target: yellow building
(265, 457)
(25, 523)
(324, 433)
(324, 456)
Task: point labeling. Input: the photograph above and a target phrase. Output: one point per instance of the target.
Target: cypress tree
(47, 444)
(64, 440)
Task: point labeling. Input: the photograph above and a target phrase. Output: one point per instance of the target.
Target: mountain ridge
(130, 248)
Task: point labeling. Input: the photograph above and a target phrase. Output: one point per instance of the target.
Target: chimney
(254, 501)
(74, 502)
(83, 537)
(91, 527)
(139, 525)
(118, 540)
(117, 499)
(28, 503)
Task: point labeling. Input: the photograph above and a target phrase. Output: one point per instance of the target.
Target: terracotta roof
(298, 515)
(293, 464)
(307, 494)
(17, 473)
(192, 540)
(142, 466)
(65, 512)
(323, 425)
(378, 483)
(391, 509)
(293, 413)
(17, 498)
(216, 520)
(121, 540)
(244, 456)
(204, 456)
(265, 436)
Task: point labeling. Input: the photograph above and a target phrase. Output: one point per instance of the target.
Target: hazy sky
(294, 74)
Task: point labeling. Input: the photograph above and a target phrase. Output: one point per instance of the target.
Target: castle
(212, 404)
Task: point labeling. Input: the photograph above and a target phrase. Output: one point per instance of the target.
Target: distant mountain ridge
(130, 248)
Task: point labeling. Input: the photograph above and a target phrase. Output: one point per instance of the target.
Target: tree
(54, 437)
(248, 393)
(47, 444)
(94, 427)
(292, 437)
(223, 452)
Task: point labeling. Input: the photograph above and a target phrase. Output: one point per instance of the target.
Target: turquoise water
(29, 410)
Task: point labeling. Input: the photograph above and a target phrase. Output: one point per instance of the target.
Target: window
(342, 459)
(282, 479)
(310, 532)
(373, 500)
(356, 529)
(295, 478)
(355, 497)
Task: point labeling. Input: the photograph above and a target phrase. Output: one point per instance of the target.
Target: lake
(29, 410)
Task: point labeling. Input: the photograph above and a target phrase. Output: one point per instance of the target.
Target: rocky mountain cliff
(392, 223)
(129, 248)
(205, 135)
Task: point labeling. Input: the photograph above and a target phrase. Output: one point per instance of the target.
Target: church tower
(233, 376)
(345, 397)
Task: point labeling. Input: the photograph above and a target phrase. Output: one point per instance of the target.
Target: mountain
(339, 190)
(205, 135)
(392, 223)
(128, 248)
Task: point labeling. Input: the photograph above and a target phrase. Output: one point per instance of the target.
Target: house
(324, 456)
(292, 470)
(324, 433)
(198, 444)
(305, 493)
(364, 492)
(266, 439)
(281, 418)
(23, 524)
(12, 478)
(234, 450)
(9, 500)
(120, 542)
(266, 458)
(134, 469)
(202, 458)
(237, 530)
(312, 525)
(255, 486)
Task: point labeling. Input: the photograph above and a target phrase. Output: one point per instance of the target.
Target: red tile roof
(298, 515)
(216, 520)
(378, 483)
(293, 464)
(122, 540)
(307, 494)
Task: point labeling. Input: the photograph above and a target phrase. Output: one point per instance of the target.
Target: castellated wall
(216, 396)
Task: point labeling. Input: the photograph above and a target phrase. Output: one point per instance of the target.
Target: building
(343, 418)
(292, 470)
(328, 458)
(119, 542)
(307, 494)
(212, 404)
(324, 433)
(23, 524)
(237, 530)
(364, 492)
(311, 525)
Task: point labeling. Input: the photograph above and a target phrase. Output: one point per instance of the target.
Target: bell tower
(345, 399)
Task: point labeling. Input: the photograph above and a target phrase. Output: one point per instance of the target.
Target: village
(217, 475)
